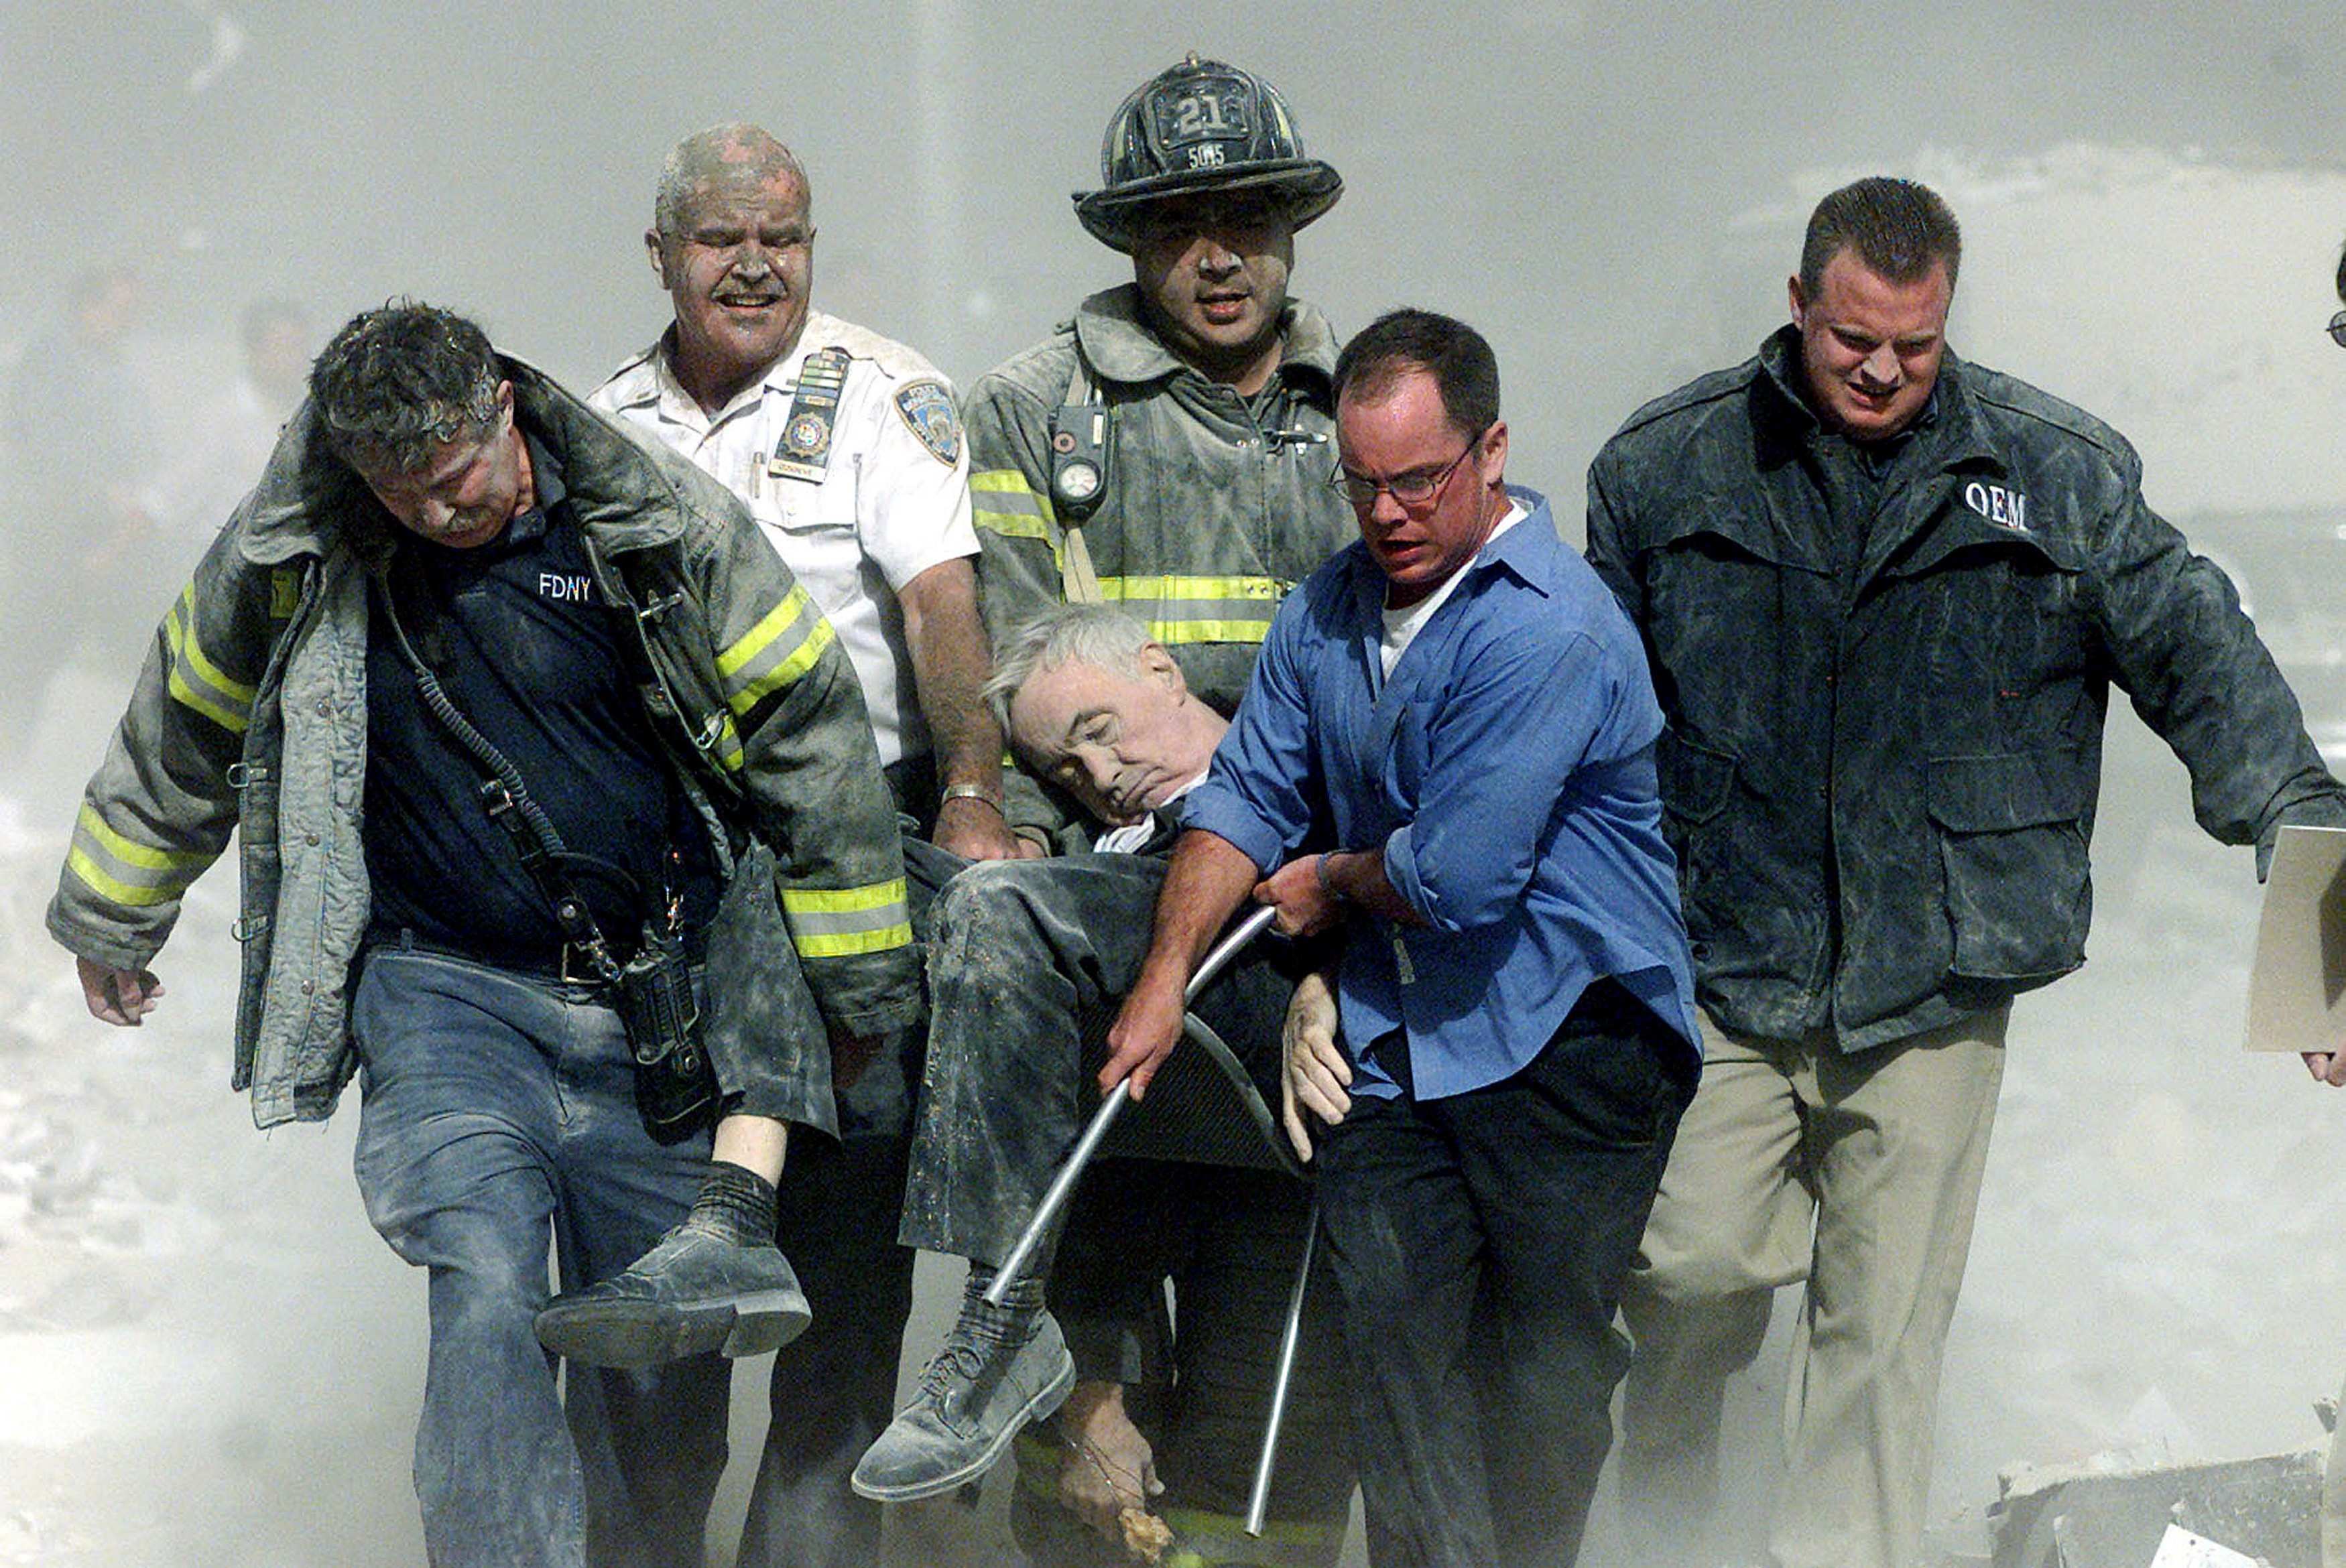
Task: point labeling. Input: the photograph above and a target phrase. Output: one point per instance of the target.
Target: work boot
(1001, 1368)
(716, 1282)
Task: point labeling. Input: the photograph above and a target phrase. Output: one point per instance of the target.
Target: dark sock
(739, 1200)
(1023, 1302)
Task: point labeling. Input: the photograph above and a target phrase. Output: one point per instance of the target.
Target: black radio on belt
(1078, 458)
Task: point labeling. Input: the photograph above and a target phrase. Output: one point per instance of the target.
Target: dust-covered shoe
(701, 1289)
(999, 1370)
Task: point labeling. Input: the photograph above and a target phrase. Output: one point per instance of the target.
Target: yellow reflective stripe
(767, 659)
(189, 697)
(1193, 609)
(840, 922)
(1176, 589)
(729, 744)
(195, 681)
(758, 638)
(843, 901)
(125, 871)
(1170, 633)
(93, 876)
(1000, 499)
(790, 668)
(851, 944)
(146, 857)
(211, 672)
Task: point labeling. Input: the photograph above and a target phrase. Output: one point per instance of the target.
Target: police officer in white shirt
(849, 451)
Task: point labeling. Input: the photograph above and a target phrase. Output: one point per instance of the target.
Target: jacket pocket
(1696, 783)
(1695, 778)
(2012, 840)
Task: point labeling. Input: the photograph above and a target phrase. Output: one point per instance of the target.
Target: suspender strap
(1079, 459)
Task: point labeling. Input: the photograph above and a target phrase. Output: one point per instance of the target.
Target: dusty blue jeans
(498, 1112)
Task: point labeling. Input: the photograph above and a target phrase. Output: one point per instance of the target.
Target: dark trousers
(1028, 962)
(1478, 1243)
(1229, 1239)
(497, 1112)
(834, 1387)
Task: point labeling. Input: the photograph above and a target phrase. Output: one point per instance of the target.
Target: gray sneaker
(976, 1395)
(696, 1291)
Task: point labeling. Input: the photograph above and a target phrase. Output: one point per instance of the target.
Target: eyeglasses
(1416, 488)
(2338, 329)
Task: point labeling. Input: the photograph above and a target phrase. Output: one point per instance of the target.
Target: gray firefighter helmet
(1202, 126)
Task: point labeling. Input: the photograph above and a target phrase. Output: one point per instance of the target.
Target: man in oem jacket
(1886, 592)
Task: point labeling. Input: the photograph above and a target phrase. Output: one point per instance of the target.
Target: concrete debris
(2262, 1511)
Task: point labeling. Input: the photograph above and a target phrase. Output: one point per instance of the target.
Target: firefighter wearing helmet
(1202, 126)
(1168, 451)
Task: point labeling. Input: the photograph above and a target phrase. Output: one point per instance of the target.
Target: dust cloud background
(205, 1355)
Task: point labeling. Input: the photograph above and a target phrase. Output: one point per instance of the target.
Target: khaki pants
(1858, 1175)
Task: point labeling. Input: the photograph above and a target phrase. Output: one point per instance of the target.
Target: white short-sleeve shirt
(892, 500)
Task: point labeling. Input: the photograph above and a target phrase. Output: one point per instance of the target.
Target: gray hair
(691, 162)
(399, 381)
(1098, 635)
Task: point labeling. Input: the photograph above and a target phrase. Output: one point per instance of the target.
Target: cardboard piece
(2297, 991)
(2181, 1549)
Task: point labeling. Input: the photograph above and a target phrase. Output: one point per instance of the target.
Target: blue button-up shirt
(1507, 768)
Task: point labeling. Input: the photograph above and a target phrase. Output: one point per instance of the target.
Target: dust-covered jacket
(1214, 506)
(1879, 778)
(251, 714)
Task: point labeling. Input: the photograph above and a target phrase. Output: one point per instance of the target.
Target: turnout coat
(250, 715)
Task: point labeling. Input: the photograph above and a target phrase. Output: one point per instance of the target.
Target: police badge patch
(808, 437)
(805, 450)
(928, 411)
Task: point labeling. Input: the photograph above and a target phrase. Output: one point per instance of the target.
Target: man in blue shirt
(1460, 710)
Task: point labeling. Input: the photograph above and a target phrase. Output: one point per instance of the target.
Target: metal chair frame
(1087, 1146)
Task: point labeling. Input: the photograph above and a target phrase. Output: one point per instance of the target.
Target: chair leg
(1054, 1198)
(1259, 1502)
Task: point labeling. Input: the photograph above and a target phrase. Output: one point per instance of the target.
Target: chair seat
(1202, 1107)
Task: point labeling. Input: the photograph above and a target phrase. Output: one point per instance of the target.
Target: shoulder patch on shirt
(928, 412)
